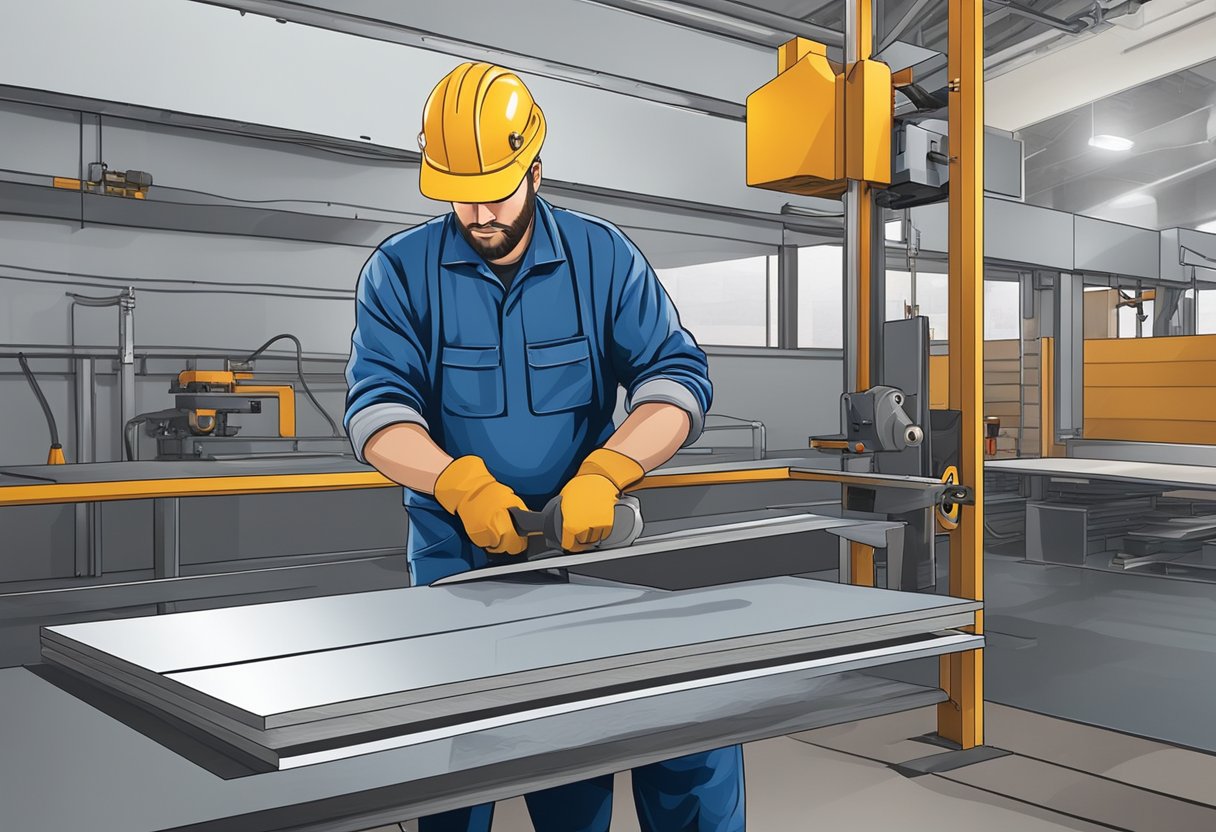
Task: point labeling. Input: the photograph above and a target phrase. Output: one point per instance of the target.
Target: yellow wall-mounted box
(795, 125)
(869, 107)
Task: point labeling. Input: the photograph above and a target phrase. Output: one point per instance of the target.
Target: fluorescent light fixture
(1207, 227)
(1105, 141)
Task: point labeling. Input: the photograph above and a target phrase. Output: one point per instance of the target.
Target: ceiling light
(1208, 227)
(1105, 141)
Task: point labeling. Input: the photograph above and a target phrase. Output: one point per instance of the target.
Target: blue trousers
(697, 793)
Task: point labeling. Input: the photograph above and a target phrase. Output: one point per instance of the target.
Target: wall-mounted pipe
(125, 301)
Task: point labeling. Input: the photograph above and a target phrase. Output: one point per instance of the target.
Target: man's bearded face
(494, 229)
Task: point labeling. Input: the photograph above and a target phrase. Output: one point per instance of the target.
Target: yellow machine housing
(203, 421)
(795, 125)
(869, 113)
(817, 124)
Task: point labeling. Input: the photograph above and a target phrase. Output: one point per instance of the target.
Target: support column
(961, 718)
(1069, 301)
(86, 514)
(787, 297)
(858, 256)
(166, 542)
(126, 366)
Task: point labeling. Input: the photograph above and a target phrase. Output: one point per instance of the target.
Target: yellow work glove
(468, 490)
(589, 499)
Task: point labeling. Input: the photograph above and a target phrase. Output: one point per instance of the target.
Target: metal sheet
(654, 622)
(181, 641)
(454, 713)
(184, 469)
(826, 665)
(60, 750)
(657, 544)
(1105, 469)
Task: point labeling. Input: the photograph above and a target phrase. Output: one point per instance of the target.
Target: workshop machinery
(132, 184)
(844, 147)
(199, 426)
(205, 399)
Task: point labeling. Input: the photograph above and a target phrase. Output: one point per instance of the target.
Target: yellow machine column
(961, 719)
(859, 204)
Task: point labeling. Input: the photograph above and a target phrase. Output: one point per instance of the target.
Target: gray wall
(206, 292)
(371, 90)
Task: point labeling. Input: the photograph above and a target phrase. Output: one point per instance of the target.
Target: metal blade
(688, 539)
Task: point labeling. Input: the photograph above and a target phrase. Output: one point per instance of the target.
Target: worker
(488, 348)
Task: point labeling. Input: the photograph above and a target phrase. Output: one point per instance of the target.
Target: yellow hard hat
(481, 130)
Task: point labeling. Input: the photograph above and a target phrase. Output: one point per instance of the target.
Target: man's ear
(536, 174)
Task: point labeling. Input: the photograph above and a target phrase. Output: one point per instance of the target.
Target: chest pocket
(559, 375)
(472, 381)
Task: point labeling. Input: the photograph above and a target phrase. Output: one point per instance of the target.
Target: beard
(511, 234)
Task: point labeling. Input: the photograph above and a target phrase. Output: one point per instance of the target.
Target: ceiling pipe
(698, 14)
(1040, 45)
(1074, 26)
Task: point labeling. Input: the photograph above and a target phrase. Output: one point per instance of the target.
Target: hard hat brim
(494, 186)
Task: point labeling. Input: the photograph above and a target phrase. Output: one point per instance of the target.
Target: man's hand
(589, 499)
(468, 490)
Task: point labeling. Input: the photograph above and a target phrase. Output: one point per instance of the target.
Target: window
(1127, 321)
(899, 295)
(821, 297)
(1002, 310)
(933, 298)
(726, 302)
(1205, 313)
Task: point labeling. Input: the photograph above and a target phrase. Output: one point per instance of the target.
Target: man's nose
(482, 214)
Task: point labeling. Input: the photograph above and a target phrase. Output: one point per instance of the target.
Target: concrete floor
(1058, 775)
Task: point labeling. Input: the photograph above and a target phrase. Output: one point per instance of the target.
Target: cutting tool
(543, 529)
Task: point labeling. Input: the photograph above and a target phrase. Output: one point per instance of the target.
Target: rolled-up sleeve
(387, 372)
(656, 359)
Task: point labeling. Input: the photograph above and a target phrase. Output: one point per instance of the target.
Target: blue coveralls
(529, 383)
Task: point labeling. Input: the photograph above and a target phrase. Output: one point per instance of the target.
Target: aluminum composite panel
(389, 726)
(655, 621)
(180, 641)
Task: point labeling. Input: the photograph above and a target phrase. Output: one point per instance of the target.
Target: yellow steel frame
(861, 557)
(51, 493)
(961, 718)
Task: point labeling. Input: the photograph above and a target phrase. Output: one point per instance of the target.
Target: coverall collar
(543, 249)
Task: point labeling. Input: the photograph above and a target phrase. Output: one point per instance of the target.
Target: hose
(300, 372)
(46, 408)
